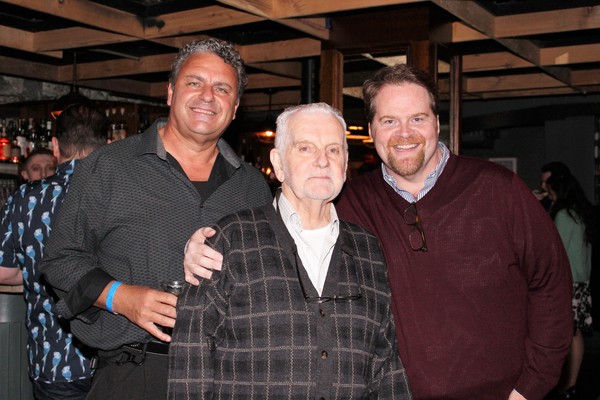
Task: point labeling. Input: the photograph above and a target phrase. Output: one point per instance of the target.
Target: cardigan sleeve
(200, 315)
(389, 379)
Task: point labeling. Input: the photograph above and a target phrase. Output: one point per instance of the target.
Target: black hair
(80, 129)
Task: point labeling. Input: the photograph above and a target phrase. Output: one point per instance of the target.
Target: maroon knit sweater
(488, 307)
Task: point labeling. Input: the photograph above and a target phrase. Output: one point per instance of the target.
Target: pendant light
(73, 97)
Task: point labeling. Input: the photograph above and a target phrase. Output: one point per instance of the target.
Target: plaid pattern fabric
(248, 333)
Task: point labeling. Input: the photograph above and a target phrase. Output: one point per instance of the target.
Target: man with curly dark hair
(130, 211)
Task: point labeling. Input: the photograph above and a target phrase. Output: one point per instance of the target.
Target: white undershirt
(315, 246)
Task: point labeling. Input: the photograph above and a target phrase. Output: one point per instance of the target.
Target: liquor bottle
(33, 137)
(15, 150)
(114, 134)
(21, 137)
(5, 145)
(48, 138)
(121, 125)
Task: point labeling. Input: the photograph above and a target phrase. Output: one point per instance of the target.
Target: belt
(130, 353)
(148, 347)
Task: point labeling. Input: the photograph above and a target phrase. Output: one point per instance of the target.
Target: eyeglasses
(335, 298)
(416, 236)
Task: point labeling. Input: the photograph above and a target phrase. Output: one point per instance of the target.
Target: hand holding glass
(173, 287)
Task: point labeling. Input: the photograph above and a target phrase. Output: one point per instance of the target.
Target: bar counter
(14, 378)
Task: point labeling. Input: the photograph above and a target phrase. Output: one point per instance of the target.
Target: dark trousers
(76, 390)
(131, 381)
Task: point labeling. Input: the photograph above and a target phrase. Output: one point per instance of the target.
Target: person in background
(301, 308)
(554, 167)
(133, 205)
(573, 215)
(39, 164)
(481, 287)
(59, 365)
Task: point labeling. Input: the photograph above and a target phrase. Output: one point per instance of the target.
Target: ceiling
(509, 48)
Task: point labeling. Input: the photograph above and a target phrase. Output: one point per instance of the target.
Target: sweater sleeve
(389, 376)
(545, 266)
(195, 336)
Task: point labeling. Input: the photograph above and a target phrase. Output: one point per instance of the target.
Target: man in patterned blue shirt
(57, 363)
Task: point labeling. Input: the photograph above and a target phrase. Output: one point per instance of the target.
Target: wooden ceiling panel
(128, 47)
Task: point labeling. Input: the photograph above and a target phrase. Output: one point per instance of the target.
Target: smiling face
(406, 131)
(313, 167)
(204, 99)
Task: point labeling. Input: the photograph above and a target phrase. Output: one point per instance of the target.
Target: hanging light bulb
(73, 97)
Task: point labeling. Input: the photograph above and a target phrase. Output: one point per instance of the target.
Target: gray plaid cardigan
(249, 334)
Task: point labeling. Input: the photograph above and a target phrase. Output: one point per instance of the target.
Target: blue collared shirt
(429, 181)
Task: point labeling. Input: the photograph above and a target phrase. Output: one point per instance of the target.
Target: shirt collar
(429, 181)
(291, 218)
(153, 144)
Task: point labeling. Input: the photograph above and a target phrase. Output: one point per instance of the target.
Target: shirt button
(324, 355)
(322, 312)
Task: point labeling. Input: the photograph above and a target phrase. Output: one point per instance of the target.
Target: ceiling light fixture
(73, 97)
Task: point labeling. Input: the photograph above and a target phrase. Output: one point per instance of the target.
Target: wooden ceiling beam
(70, 38)
(570, 54)
(565, 90)
(267, 81)
(480, 19)
(178, 41)
(291, 69)
(29, 70)
(316, 27)
(89, 13)
(121, 67)
(510, 82)
(23, 40)
(281, 50)
(456, 32)
(587, 77)
(288, 9)
(566, 20)
(125, 86)
(16, 38)
(263, 8)
(493, 61)
(196, 20)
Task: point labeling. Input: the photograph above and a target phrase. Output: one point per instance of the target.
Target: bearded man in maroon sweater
(480, 281)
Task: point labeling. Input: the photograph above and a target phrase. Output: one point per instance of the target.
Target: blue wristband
(111, 294)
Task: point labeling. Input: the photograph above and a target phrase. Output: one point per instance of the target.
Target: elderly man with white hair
(301, 307)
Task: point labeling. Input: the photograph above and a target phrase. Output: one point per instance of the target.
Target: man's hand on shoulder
(200, 260)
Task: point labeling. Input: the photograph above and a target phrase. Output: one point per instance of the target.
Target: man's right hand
(148, 308)
(199, 259)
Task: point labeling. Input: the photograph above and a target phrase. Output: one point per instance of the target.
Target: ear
(24, 175)
(277, 163)
(370, 133)
(169, 94)
(55, 148)
(237, 104)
